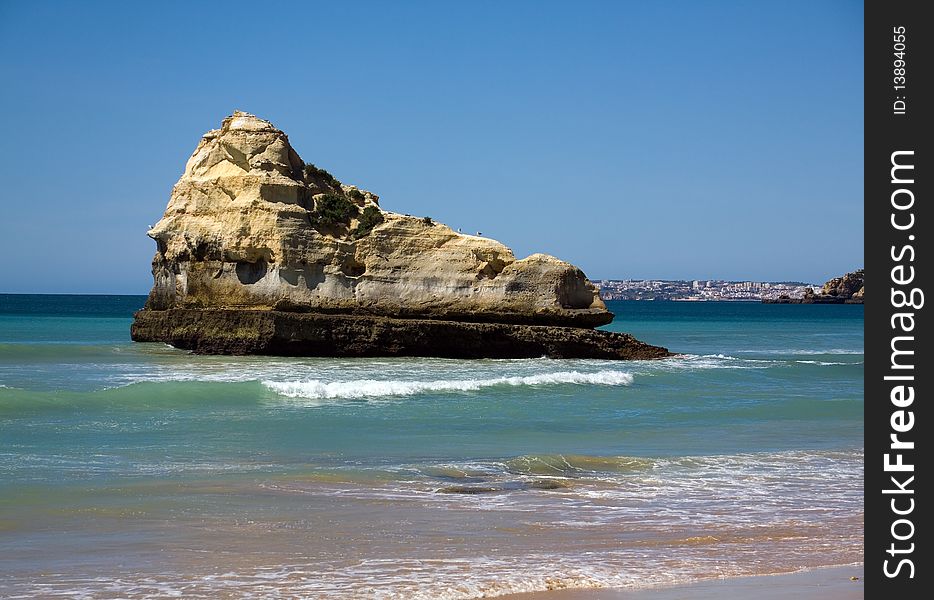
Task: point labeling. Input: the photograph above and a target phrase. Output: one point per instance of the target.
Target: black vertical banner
(899, 365)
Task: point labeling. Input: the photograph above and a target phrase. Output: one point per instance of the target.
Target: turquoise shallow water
(138, 470)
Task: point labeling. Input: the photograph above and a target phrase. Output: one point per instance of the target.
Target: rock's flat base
(232, 331)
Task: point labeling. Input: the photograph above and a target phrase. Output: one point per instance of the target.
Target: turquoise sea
(138, 470)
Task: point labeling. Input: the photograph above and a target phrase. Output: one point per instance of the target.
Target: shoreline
(818, 583)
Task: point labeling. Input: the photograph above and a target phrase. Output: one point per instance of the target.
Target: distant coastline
(700, 290)
(846, 289)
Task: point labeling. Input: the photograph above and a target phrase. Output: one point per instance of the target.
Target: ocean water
(139, 470)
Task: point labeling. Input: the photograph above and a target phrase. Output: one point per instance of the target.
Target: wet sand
(833, 583)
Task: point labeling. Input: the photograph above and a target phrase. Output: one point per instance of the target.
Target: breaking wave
(375, 388)
(826, 363)
(795, 351)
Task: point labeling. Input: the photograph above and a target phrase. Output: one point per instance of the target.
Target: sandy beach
(832, 583)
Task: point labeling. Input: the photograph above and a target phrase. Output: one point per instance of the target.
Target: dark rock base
(230, 331)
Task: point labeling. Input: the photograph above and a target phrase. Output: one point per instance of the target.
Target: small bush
(370, 218)
(331, 210)
(313, 172)
(427, 221)
(356, 194)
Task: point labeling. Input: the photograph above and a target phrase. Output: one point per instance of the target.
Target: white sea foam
(696, 362)
(810, 351)
(375, 388)
(324, 379)
(699, 362)
(826, 363)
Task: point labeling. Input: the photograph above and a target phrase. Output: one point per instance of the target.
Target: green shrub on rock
(331, 210)
(370, 218)
(312, 172)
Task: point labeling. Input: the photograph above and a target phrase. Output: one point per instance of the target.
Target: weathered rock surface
(847, 289)
(298, 263)
(225, 331)
(243, 229)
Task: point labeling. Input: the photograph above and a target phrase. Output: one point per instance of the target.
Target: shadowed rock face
(225, 331)
(248, 227)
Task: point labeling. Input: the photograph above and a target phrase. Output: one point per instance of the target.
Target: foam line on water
(809, 351)
(825, 363)
(375, 388)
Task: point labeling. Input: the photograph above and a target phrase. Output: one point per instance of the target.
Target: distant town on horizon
(700, 289)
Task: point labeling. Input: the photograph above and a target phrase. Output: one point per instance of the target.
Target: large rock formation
(251, 227)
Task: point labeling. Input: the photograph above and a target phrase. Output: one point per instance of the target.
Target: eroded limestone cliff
(260, 253)
(250, 225)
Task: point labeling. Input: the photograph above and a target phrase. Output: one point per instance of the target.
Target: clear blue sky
(669, 139)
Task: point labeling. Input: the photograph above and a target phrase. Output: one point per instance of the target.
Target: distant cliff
(847, 289)
(251, 227)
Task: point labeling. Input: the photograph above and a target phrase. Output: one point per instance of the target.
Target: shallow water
(138, 470)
